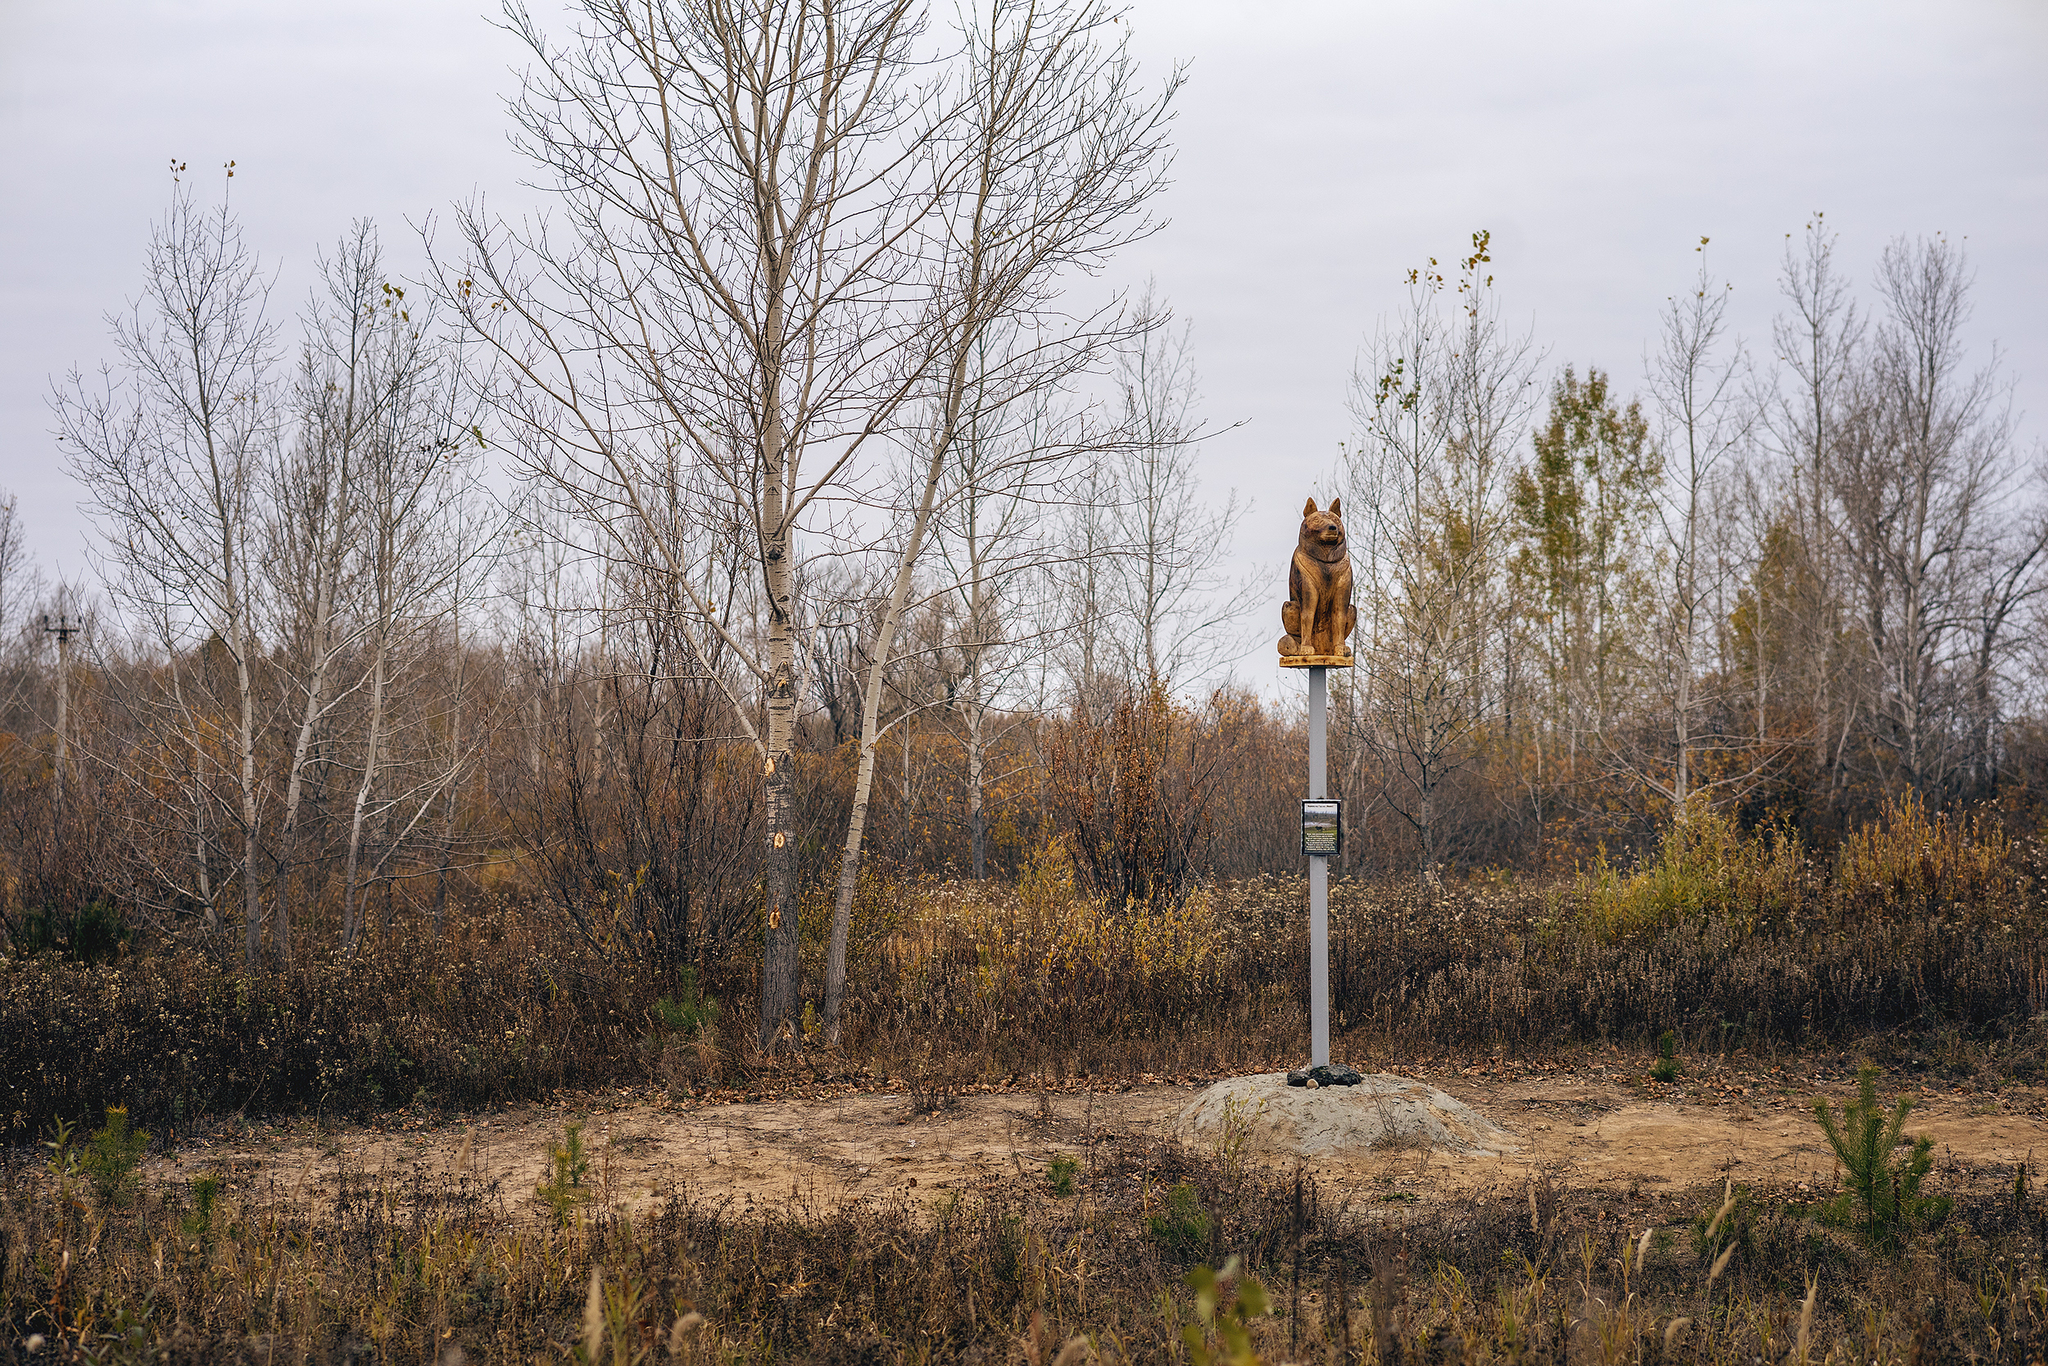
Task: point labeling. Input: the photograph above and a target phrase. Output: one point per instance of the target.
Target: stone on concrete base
(1325, 1074)
(1380, 1112)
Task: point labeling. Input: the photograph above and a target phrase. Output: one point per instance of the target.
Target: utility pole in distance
(1318, 616)
(63, 629)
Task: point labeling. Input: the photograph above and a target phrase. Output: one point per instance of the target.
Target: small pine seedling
(1666, 1066)
(689, 1009)
(568, 1164)
(113, 1157)
(1060, 1174)
(1183, 1226)
(198, 1225)
(1883, 1201)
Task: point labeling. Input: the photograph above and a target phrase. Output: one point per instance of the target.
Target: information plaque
(1322, 827)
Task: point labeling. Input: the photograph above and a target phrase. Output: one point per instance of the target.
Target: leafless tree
(782, 226)
(738, 189)
(1058, 149)
(1699, 381)
(362, 360)
(1921, 471)
(414, 466)
(20, 581)
(998, 569)
(1819, 345)
(2009, 581)
(171, 447)
(1441, 402)
(1148, 551)
(22, 638)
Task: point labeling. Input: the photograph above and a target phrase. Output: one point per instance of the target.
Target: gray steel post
(1318, 875)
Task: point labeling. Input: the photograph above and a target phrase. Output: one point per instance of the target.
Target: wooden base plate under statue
(1316, 661)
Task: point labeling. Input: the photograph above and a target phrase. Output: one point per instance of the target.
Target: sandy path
(1596, 1133)
(1585, 1129)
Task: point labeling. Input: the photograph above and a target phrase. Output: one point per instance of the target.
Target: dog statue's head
(1322, 533)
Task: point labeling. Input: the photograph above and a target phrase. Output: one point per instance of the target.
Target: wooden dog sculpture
(1318, 615)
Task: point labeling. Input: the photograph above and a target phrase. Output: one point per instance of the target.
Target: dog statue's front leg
(1313, 611)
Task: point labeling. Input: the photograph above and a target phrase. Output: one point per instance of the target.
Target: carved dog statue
(1318, 615)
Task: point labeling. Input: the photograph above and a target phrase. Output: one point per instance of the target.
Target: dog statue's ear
(1309, 510)
(1337, 508)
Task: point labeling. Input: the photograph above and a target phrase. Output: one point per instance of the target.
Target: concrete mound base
(1382, 1112)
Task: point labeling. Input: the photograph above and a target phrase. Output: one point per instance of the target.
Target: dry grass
(419, 1267)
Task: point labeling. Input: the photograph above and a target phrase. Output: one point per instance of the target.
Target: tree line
(784, 509)
(1795, 589)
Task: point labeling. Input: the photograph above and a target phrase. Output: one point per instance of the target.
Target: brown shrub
(1925, 929)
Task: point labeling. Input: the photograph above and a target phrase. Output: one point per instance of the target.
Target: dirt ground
(1587, 1126)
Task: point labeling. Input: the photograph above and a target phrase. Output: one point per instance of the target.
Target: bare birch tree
(1172, 613)
(1819, 345)
(171, 446)
(414, 544)
(1441, 402)
(1057, 149)
(362, 361)
(1922, 469)
(1701, 394)
(2010, 579)
(19, 581)
(998, 563)
(730, 289)
(22, 640)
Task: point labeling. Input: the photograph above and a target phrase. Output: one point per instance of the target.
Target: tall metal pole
(1318, 875)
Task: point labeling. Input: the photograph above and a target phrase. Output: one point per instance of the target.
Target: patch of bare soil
(1595, 1131)
(1582, 1129)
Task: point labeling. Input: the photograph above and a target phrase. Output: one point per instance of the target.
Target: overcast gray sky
(1323, 149)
